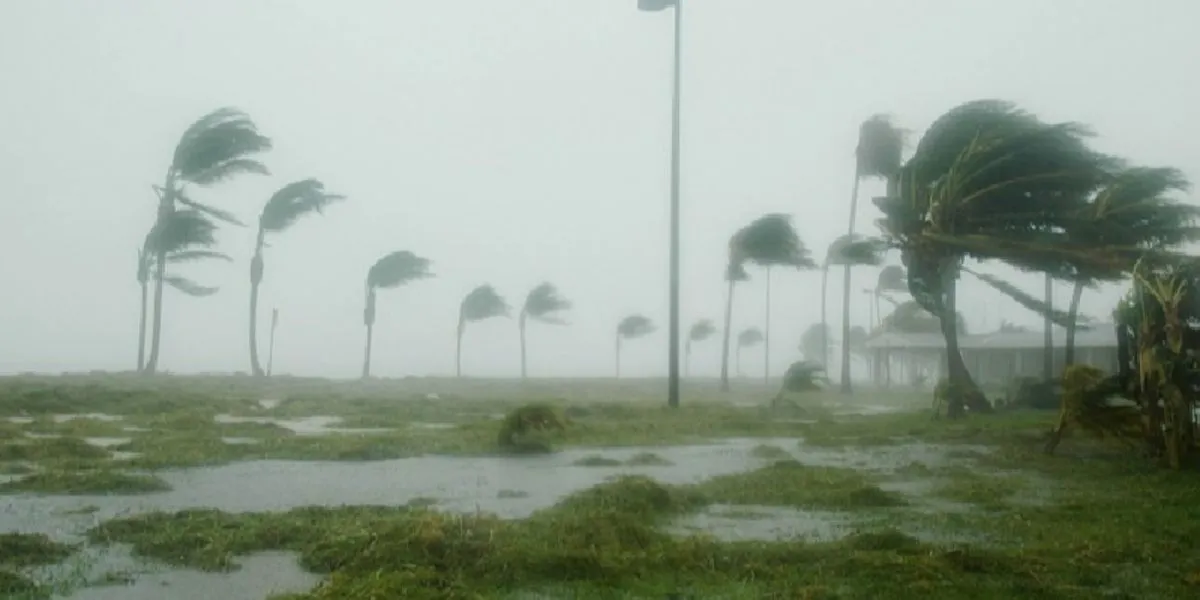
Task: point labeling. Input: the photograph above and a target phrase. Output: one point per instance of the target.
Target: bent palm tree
(183, 237)
(747, 338)
(879, 153)
(769, 240)
(283, 210)
(217, 147)
(393, 270)
(892, 279)
(701, 330)
(848, 251)
(481, 303)
(631, 327)
(988, 181)
(542, 304)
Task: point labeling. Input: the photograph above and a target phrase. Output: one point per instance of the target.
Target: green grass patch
(20, 550)
(85, 483)
(790, 483)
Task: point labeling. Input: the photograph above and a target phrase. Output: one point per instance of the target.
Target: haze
(512, 142)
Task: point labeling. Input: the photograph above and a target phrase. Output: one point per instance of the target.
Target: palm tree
(542, 304)
(847, 250)
(734, 272)
(747, 338)
(1134, 209)
(481, 303)
(768, 241)
(879, 153)
(892, 279)
(701, 330)
(185, 236)
(393, 270)
(988, 181)
(631, 327)
(217, 147)
(283, 210)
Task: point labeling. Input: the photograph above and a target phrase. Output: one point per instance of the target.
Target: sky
(513, 142)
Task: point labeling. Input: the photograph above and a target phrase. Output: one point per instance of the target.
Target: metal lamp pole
(673, 320)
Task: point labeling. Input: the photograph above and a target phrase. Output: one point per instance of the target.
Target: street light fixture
(673, 320)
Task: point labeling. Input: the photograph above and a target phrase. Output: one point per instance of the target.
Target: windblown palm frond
(210, 211)
(855, 249)
(770, 240)
(803, 376)
(635, 326)
(293, 201)
(180, 230)
(880, 150)
(701, 330)
(219, 146)
(185, 256)
(189, 287)
(1039, 306)
(750, 337)
(482, 303)
(544, 302)
(396, 269)
(911, 317)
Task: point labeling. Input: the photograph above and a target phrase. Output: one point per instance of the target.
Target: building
(994, 359)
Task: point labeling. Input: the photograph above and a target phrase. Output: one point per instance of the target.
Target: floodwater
(511, 487)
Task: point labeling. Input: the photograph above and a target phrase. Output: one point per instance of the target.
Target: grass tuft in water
(20, 550)
(791, 483)
(101, 481)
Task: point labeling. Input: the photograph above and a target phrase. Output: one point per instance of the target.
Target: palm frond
(803, 376)
(543, 302)
(181, 230)
(880, 150)
(397, 269)
(911, 317)
(293, 201)
(217, 146)
(189, 287)
(211, 211)
(770, 240)
(750, 337)
(184, 256)
(1136, 208)
(482, 303)
(736, 271)
(1059, 317)
(855, 249)
(701, 330)
(635, 326)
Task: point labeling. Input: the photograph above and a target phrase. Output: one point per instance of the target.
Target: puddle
(261, 575)
(122, 455)
(314, 425)
(419, 425)
(107, 442)
(41, 436)
(135, 429)
(94, 416)
(766, 523)
(240, 441)
(269, 403)
(20, 420)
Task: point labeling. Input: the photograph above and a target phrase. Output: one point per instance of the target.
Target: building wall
(1001, 366)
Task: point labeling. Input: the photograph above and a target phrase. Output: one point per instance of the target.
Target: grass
(102, 481)
(20, 550)
(1107, 525)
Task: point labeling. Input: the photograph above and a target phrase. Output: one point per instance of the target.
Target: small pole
(271, 349)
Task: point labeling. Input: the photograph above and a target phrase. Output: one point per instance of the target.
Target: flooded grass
(88, 482)
(791, 483)
(20, 550)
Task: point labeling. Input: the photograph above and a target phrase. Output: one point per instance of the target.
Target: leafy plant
(480, 304)
(393, 270)
(701, 330)
(285, 208)
(542, 304)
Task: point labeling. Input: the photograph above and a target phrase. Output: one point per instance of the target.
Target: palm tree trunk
(1073, 312)
(767, 333)
(687, 358)
(618, 356)
(142, 328)
(256, 273)
(166, 208)
(846, 292)
(369, 321)
(462, 326)
(725, 342)
(824, 320)
(521, 329)
(1048, 334)
(964, 392)
(271, 347)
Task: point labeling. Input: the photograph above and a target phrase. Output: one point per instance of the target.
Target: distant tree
(543, 304)
(393, 270)
(879, 153)
(481, 303)
(847, 251)
(285, 207)
(892, 280)
(746, 339)
(814, 343)
(631, 327)
(768, 241)
(217, 147)
(701, 330)
(185, 236)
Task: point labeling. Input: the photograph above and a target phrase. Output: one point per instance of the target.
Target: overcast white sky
(513, 141)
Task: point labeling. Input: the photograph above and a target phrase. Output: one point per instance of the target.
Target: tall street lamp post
(673, 326)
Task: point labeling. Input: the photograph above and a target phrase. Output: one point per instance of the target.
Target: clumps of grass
(985, 491)
(15, 585)
(20, 550)
(647, 459)
(595, 460)
(523, 431)
(769, 452)
(51, 449)
(87, 482)
(791, 483)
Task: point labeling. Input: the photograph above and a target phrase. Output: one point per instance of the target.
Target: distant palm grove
(986, 181)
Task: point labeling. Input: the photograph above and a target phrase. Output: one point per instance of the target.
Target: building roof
(1099, 335)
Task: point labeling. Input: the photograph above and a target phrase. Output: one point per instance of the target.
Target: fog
(514, 142)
